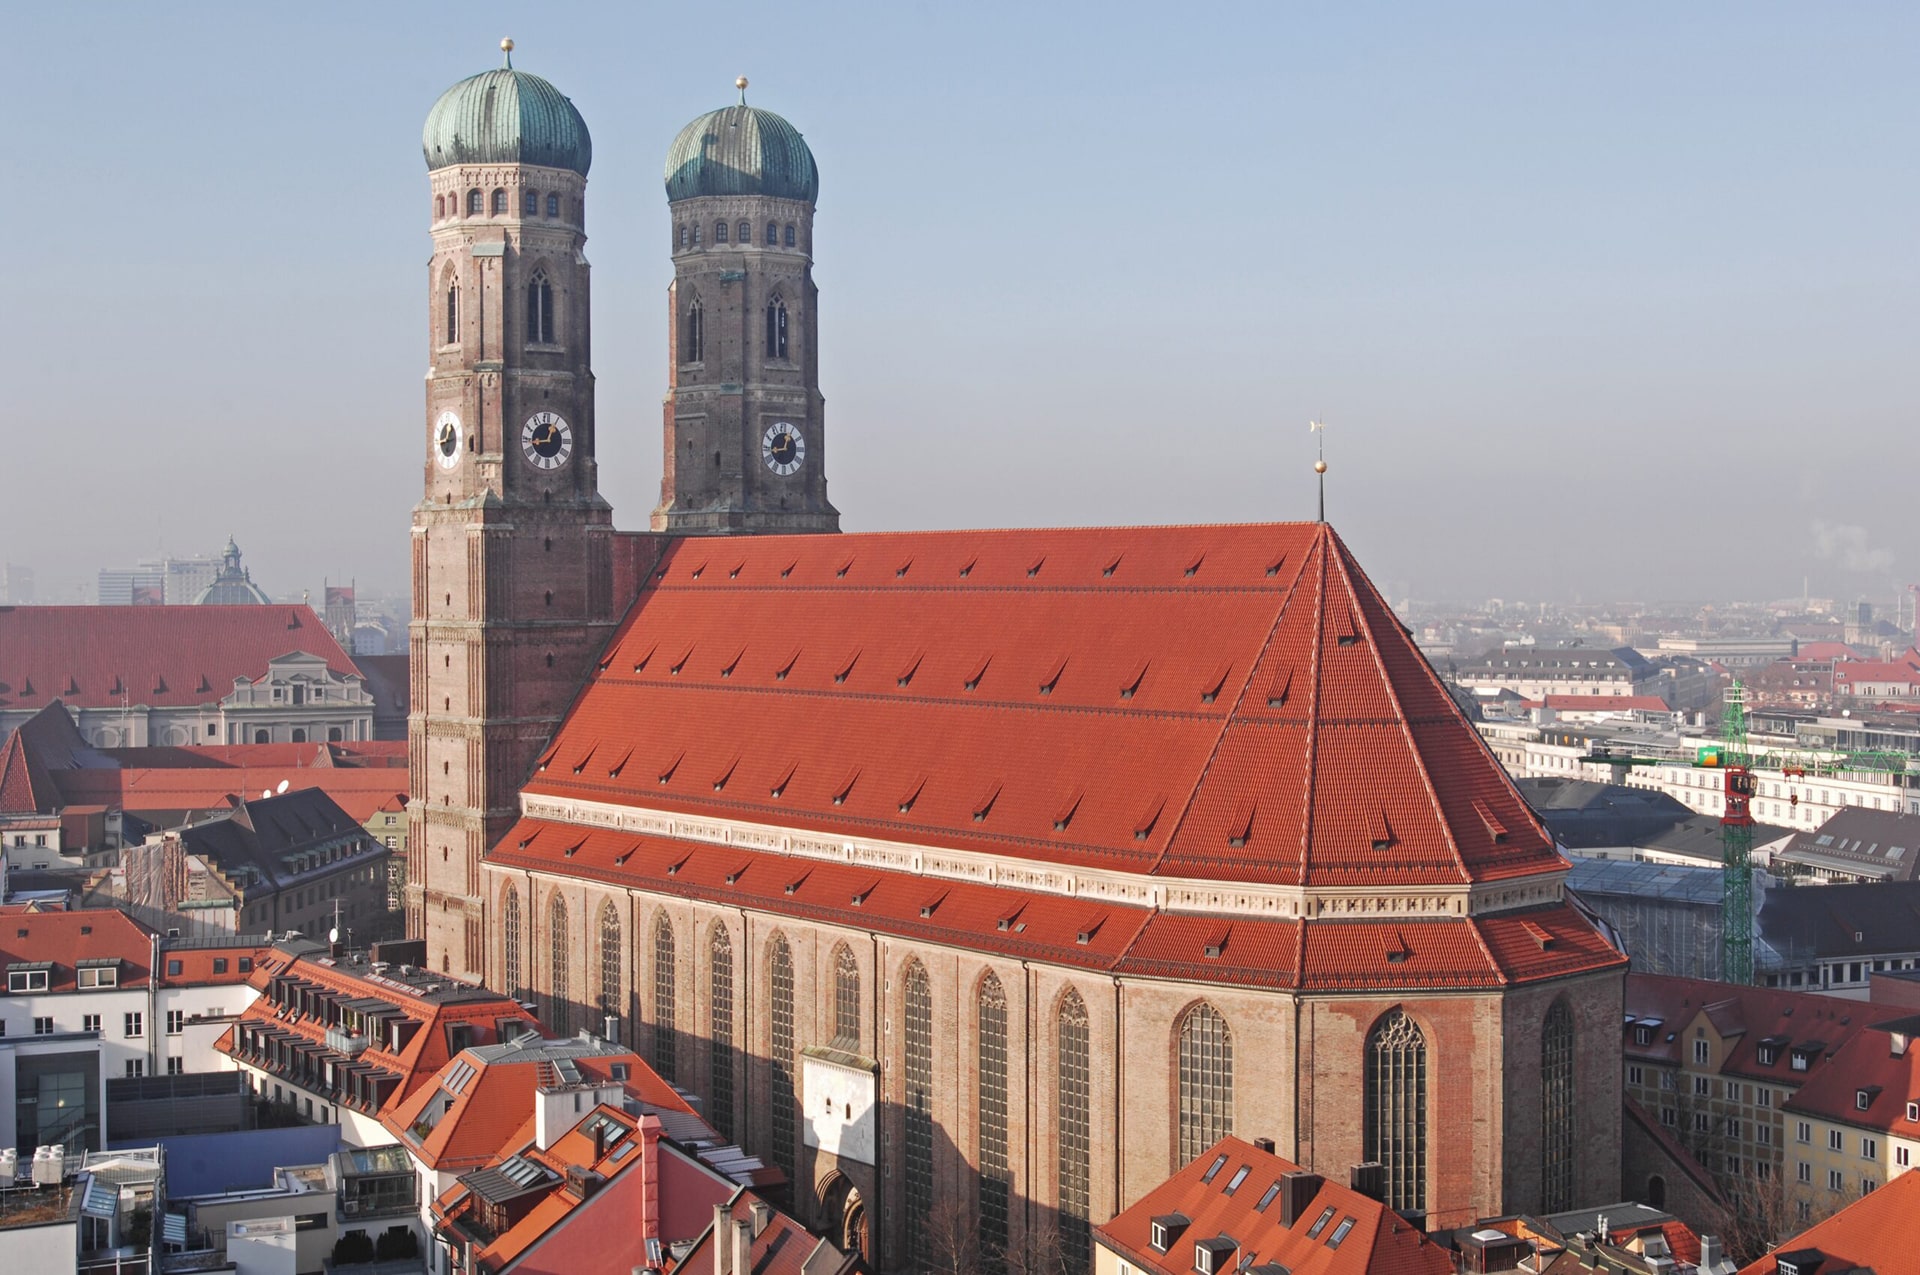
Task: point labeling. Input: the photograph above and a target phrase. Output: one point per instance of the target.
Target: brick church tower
(744, 420)
(512, 540)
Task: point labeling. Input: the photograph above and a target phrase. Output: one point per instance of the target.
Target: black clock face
(783, 450)
(546, 440)
(783, 447)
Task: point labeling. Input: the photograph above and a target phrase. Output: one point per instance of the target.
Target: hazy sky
(1599, 299)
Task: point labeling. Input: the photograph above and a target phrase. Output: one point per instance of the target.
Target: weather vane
(1320, 463)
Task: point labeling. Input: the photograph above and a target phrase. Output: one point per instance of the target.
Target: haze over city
(1597, 301)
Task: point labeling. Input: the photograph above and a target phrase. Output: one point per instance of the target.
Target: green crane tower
(1736, 843)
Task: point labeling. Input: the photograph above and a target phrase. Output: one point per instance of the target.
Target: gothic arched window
(696, 234)
(996, 1177)
(780, 1097)
(789, 235)
(1075, 1133)
(499, 203)
(553, 205)
(917, 1097)
(1396, 1108)
(683, 236)
(539, 310)
(514, 966)
(720, 1065)
(439, 207)
(1556, 1115)
(846, 999)
(745, 235)
(559, 1006)
(531, 204)
(453, 312)
(666, 1041)
(693, 335)
(611, 948)
(773, 234)
(719, 232)
(475, 206)
(1206, 1080)
(776, 329)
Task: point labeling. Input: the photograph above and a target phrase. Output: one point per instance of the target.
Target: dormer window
(1214, 1256)
(1167, 1229)
(1643, 1035)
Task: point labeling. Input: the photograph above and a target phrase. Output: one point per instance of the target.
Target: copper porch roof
(1226, 702)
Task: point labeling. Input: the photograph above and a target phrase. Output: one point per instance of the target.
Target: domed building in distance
(999, 869)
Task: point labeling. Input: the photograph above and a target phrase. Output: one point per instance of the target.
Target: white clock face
(446, 440)
(546, 440)
(783, 448)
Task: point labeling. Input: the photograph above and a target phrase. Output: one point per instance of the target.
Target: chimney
(599, 1140)
(1710, 1256)
(762, 1214)
(743, 1247)
(1264, 1144)
(722, 1240)
(1297, 1190)
(1369, 1178)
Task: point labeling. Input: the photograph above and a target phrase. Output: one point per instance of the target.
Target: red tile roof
(361, 793)
(1601, 703)
(67, 938)
(151, 656)
(1218, 1200)
(1865, 1064)
(1746, 1016)
(1223, 702)
(24, 786)
(781, 1247)
(1879, 1232)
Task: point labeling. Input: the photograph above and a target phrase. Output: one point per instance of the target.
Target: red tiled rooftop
(150, 656)
(360, 792)
(67, 938)
(1230, 702)
(1879, 1232)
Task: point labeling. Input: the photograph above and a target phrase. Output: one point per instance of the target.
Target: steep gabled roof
(154, 656)
(1227, 702)
(1877, 1232)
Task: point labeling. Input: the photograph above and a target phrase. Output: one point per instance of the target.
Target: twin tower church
(999, 871)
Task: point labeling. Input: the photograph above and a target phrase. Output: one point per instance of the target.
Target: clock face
(783, 448)
(547, 440)
(446, 440)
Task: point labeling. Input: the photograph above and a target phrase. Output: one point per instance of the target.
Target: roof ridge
(1406, 730)
(1311, 759)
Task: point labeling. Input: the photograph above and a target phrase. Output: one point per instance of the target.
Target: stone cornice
(1133, 889)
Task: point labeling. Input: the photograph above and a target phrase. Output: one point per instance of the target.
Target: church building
(977, 879)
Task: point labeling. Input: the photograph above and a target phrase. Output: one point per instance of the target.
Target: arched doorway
(843, 1215)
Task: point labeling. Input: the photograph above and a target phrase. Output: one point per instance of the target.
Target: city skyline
(1678, 239)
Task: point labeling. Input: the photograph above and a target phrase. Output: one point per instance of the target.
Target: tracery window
(1075, 1133)
(776, 329)
(666, 1040)
(1396, 1107)
(918, 1101)
(1556, 1077)
(499, 203)
(996, 1176)
(539, 310)
(719, 232)
(693, 335)
(1206, 1080)
(846, 999)
(510, 942)
(780, 1096)
(475, 204)
(559, 1006)
(720, 1065)
(611, 948)
(453, 312)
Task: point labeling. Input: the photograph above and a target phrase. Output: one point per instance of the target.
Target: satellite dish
(282, 786)
(333, 935)
(266, 792)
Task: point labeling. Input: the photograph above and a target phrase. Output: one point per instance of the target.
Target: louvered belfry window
(1396, 1107)
(996, 1176)
(515, 971)
(666, 1040)
(1556, 1116)
(917, 1098)
(720, 1066)
(846, 1000)
(1206, 1080)
(780, 1096)
(559, 1016)
(1075, 1134)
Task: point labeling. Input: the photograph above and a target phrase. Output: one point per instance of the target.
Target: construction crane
(1732, 759)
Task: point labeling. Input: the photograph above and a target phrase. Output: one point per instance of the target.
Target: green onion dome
(741, 150)
(506, 117)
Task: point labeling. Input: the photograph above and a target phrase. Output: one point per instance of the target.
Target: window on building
(1074, 1136)
(553, 205)
(780, 1096)
(611, 949)
(773, 235)
(720, 1058)
(1205, 1080)
(1396, 1107)
(136, 1067)
(452, 333)
(475, 206)
(89, 1022)
(559, 1000)
(846, 999)
(43, 1026)
(27, 980)
(1702, 1053)
(1869, 1148)
(1556, 1074)
(1836, 1180)
(92, 977)
(693, 341)
(530, 203)
(917, 1098)
(776, 329)
(788, 238)
(1803, 1131)
(513, 964)
(666, 1038)
(176, 1021)
(996, 1176)
(499, 203)
(540, 310)
(134, 1026)
(1903, 1157)
(1636, 1076)
(176, 1066)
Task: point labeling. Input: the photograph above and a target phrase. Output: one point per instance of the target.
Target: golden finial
(1320, 463)
(741, 84)
(506, 52)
